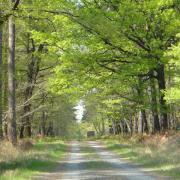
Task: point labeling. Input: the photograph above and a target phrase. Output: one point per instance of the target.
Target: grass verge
(155, 153)
(17, 164)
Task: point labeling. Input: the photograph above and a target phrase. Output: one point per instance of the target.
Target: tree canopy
(120, 57)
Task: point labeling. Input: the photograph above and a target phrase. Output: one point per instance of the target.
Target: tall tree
(1, 73)
(154, 105)
(12, 134)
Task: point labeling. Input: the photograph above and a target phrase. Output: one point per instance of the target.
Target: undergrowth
(23, 162)
(157, 153)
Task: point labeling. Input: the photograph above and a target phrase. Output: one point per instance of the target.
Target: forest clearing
(89, 89)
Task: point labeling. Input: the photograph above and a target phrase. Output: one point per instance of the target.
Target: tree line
(27, 106)
(120, 57)
(125, 54)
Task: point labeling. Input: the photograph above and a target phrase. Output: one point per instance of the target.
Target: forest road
(92, 161)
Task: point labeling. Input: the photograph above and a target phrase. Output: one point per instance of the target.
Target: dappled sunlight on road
(108, 166)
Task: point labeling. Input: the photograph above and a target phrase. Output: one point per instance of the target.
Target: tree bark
(145, 125)
(142, 125)
(50, 130)
(27, 120)
(162, 101)
(140, 122)
(5, 98)
(25, 128)
(12, 136)
(43, 119)
(128, 126)
(135, 125)
(21, 131)
(32, 73)
(103, 126)
(114, 127)
(43, 122)
(122, 128)
(1, 74)
(154, 106)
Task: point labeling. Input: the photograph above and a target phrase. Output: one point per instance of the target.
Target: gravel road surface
(92, 161)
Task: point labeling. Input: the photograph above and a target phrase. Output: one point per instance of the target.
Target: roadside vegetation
(118, 61)
(29, 158)
(156, 153)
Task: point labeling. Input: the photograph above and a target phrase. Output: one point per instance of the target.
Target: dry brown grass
(160, 140)
(8, 152)
(25, 145)
(28, 158)
(160, 152)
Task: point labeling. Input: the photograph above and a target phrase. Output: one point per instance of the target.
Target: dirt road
(91, 160)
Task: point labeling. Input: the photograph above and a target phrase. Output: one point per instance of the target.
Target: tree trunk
(162, 101)
(135, 126)
(142, 125)
(103, 127)
(114, 127)
(1, 108)
(43, 121)
(21, 131)
(128, 126)
(32, 73)
(140, 122)
(154, 106)
(131, 126)
(145, 125)
(50, 129)
(12, 136)
(121, 126)
(5, 99)
(27, 120)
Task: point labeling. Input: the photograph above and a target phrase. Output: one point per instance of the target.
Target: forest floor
(26, 160)
(92, 160)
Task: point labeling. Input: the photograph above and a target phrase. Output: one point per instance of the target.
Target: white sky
(79, 111)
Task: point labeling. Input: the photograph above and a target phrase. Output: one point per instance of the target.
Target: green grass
(41, 158)
(163, 159)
